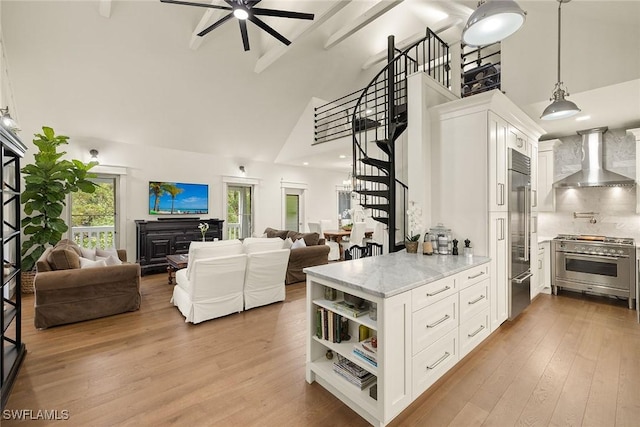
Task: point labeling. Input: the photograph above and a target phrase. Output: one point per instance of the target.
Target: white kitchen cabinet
(499, 310)
(534, 176)
(545, 170)
(497, 162)
(544, 267)
(469, 171)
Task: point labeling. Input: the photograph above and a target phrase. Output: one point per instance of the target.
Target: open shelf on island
(346, 350)
(363, 320)
(324, 368)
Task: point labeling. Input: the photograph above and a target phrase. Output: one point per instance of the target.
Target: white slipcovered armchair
(266, 270)
(212, 284)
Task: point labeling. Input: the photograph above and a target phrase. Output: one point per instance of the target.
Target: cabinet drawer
(432, 292)
(434, 321)
(473, 276)
(473, 332)
(434, 361)
(474, 299)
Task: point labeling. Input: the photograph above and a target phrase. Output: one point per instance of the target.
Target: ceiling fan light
(492, 21)
(240, 13)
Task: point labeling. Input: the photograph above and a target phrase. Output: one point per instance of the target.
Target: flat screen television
(178, 198)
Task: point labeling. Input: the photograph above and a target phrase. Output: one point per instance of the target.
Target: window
(93, 215)
(239, 211)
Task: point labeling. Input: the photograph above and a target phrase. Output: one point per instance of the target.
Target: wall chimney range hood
(593, 172)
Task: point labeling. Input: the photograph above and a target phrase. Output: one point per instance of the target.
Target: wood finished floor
(565, 361)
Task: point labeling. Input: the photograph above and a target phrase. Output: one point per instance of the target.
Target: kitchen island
(426, 313)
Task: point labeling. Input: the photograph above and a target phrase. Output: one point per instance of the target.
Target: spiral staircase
(379, 122)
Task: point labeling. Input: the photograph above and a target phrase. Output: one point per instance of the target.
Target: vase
(412, 247)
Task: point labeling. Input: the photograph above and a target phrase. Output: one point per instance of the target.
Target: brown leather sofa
(66, 293)
(315, 253)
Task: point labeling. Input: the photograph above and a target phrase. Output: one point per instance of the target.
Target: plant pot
(26, 281)
(412, 247)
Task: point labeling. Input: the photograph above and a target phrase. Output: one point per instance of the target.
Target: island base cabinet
(474, 331)
(434, 361)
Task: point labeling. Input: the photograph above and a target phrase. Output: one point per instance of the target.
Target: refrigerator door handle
(527, 219)
(520, 280)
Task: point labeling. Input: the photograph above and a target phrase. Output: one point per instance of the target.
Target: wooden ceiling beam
(403, 44)
(104, 8)
(362, 21)
(276, 52)
(208, 17)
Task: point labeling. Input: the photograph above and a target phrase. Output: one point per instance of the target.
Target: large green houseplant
(48, 181)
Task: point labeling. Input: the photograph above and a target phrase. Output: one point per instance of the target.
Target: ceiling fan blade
(245, 35)
(188, 3)
(268, 29)
(215, 25)
(281, 13)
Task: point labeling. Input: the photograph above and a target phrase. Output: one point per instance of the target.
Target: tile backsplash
(614, 207)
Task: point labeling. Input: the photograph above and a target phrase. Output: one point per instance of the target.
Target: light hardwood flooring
(567, 360)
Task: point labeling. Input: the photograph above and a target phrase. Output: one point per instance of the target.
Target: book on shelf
(331, 326)
(350, 310)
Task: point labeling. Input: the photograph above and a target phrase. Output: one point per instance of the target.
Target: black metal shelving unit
(12, 349)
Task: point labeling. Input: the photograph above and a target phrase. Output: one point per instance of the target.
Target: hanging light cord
(559, 34)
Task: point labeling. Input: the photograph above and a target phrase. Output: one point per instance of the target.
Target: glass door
(239, 221)
(292, 212)
(93, 215)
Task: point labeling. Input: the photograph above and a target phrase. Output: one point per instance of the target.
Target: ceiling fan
(245, 10)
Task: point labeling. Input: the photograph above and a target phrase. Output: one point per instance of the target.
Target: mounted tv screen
(177, 198)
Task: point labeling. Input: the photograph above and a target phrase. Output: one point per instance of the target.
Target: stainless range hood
(593, 172)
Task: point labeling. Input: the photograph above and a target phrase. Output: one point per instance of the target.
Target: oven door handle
(611, 258)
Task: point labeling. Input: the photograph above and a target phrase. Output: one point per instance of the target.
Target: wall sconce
(94, 155)
(243, 171)
(7, 120)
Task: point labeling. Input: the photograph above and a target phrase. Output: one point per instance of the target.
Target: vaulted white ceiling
(133, 71)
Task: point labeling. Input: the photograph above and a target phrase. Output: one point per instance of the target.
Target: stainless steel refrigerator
(519, 232)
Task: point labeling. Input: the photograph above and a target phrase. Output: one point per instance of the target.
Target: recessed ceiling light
(582, 118)
(305, 163)
(342, 156)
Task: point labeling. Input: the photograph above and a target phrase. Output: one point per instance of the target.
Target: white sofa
(230, 276)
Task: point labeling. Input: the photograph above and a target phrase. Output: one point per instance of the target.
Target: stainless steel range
(600, 264)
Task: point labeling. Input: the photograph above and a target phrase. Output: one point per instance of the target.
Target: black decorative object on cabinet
(12, 349)
(157, 239)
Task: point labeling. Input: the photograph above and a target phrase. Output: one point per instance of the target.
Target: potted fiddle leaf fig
(48, 181)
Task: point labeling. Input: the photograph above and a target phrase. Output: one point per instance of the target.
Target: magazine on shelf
(350, 310)
(366, 351)
(353, 373)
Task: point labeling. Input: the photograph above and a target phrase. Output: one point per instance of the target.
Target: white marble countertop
(391, 274)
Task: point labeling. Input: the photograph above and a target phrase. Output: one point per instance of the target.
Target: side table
(176, 262)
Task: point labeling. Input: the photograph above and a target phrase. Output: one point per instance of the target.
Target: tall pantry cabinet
(469, 145)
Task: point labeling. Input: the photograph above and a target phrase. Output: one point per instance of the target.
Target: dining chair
(314, 227)
(334, 247)
(355, 252)
(356, 237)
(374, 249)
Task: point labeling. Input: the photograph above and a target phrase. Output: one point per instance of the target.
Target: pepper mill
(455, 247)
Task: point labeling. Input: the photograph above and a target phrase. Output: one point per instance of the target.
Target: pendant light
(560, 108)
(7, 121)
(492, 21)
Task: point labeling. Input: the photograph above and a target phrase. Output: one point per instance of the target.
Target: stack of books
(366, 351)
(353, 373)
(331, 326)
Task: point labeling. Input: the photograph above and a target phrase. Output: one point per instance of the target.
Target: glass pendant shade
(492, 21)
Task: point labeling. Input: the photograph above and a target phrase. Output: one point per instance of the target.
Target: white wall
(143, 165)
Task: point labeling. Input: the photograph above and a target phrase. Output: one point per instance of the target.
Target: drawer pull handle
(437, 322)
(477, 275)
(476, 332)
(480, 298)
(439, 361)
(446, 288)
